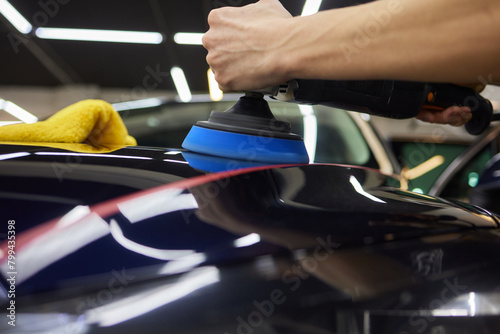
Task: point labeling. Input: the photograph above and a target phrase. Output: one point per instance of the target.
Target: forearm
(421, 40)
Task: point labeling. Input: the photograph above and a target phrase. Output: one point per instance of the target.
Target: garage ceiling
(29, 61)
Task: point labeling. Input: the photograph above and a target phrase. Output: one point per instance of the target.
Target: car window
(466, 178)
(330, 135)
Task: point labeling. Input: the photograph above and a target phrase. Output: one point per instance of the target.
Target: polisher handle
(387, 98)
(442, 96)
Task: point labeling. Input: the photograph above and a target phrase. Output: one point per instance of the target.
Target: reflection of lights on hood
(176, 161)
(77, 213)
(147, 301)
(160, 254)
(472, 303)
(54, 322)
(13, 155)
(182, 264)
(469, 304)
(359, 189)
(450, 313)
(310, 130)
(173, 152)
(94, 155)
(58, 242)
(157, 203)
(247, 240)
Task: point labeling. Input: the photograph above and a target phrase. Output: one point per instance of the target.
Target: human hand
(243, 43)
(453, 115)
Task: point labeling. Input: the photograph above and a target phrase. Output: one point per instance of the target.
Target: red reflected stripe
(110, 207)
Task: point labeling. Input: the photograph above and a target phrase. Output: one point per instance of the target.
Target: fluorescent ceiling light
(176, 161)
(181, 84)
(311, 7)
(96, 35)
(215, 92)
(14, 17)
(137, 104)
(18, 112)
(188, 38)
(173, 152)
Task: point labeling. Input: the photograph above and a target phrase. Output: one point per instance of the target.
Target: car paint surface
(297, 248)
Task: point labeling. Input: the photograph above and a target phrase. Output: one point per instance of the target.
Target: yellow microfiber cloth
(86, 126)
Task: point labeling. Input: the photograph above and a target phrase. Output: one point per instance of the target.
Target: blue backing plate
(212, 164)
(244, 147)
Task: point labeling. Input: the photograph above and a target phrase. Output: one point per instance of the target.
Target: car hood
(225, 217)
(140, 240)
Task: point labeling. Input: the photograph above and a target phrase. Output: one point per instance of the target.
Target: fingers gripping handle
(446, 95)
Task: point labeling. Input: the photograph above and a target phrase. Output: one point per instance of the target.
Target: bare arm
(423, 40)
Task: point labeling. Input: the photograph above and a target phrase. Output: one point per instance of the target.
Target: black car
(145, 240)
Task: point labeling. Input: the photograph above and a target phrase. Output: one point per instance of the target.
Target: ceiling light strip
(18, 112)
(138, 104)
(188, 38)
(14, 17)
(96, 35)
(311, 7)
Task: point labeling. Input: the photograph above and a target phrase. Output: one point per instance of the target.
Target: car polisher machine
(249, 131)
